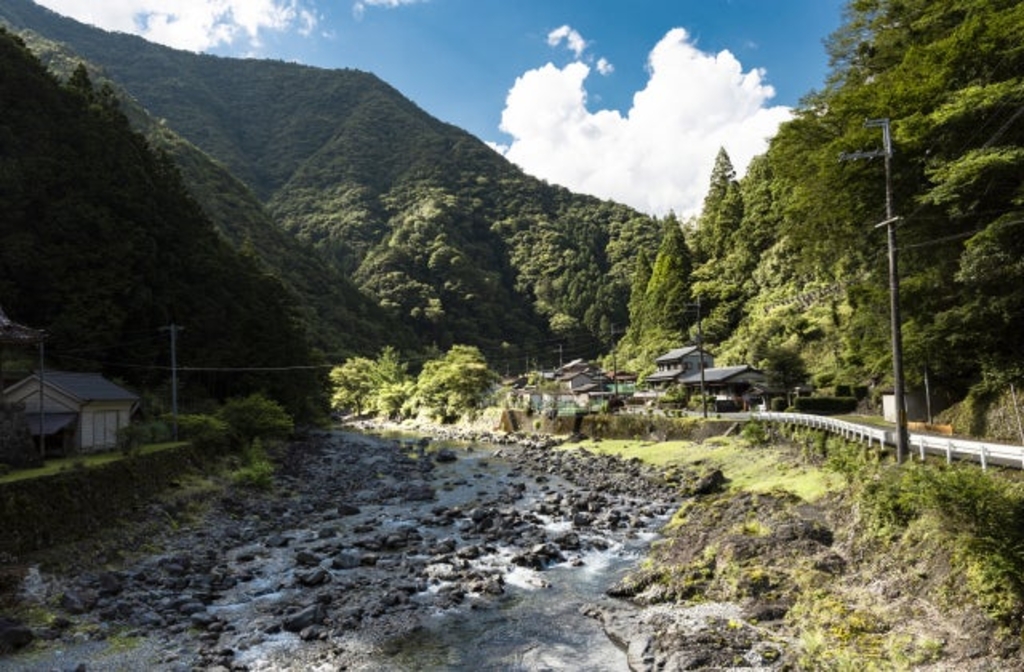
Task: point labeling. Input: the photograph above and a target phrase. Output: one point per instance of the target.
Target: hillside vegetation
(388, 227)
(450, 238)
(788, 262)
(103, 247)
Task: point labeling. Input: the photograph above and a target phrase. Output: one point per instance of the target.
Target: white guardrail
(985, 453)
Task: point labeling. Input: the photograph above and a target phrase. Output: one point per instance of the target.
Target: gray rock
(314, 577)
(346, 561)
(14, 635)
(299, 621)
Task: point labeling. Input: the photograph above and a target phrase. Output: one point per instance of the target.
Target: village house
(80, 412)
(677, 364)
(732, 388)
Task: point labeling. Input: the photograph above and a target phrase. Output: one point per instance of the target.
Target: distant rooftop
(18, 334)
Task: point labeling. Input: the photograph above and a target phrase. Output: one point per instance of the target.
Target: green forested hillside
(103, 247)
(789, 264)
(328, 301)
(450, 238)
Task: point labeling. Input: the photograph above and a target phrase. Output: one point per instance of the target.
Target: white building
(81, 412)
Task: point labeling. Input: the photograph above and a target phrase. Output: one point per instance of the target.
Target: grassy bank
(748, 468)
(55, 466)
(858, 562)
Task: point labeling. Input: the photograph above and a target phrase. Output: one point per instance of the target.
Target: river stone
(640, 653)
(709, 483)
(418, 492)
(311, 615)
(275, 540)
(348, 510)
(110, 583)
(77, 602)
(314, 577)
(445, 455)
(346, 561)
(13, 635)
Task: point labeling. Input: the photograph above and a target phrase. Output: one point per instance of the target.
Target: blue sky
(624, 99)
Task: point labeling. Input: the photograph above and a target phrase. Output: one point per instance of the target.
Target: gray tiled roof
(720, 374)
(677, 353)
(88, 386)
(14, 333)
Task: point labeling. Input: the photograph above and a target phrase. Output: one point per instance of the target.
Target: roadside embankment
(41, 512)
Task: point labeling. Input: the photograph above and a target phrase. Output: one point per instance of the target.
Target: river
(369, 556)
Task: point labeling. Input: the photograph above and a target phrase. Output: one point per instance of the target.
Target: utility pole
(894, 284)
(615, 366)
(700, 353)
(174, 329)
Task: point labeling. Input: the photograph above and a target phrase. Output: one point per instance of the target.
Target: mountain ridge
(343, 162)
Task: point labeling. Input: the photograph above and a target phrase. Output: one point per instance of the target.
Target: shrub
(208, 434)
(778, 404)
(136, 435)
(258, 470)
(755, 433)
(981, 513)
(826, 405)
(131, 438)
(255, 417)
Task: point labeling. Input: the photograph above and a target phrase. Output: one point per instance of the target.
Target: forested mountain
(789, 262)
(434, 226)
(102, 246)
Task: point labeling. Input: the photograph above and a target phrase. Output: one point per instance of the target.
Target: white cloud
(604, 67)
(658, 157)
(573, 40)
(195, 25)
(359, 7)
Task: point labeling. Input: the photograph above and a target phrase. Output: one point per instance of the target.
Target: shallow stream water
(535, 625)
(538, 627)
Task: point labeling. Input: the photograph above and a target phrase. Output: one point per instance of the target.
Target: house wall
(99, 423)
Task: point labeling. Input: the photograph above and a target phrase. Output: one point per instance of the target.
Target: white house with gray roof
(81, 412)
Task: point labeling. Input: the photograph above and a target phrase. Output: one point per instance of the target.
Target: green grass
(751, 469)
(55, 466)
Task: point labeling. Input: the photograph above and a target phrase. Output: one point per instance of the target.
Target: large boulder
(14, 635)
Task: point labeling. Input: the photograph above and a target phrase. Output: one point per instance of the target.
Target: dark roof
(670, 374)
(18, 334)
(719, 374)
(677, 353)
(87, 386)
(52, 422)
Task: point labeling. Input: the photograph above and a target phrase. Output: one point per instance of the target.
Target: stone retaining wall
(618, 426)
(39, 512)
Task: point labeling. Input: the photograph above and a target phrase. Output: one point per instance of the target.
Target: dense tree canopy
(101, 246)
(460, 247)
(947, 76)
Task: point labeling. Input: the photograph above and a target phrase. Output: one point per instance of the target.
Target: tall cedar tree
(667, 313)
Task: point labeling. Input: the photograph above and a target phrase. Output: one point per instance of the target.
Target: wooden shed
(81, 412)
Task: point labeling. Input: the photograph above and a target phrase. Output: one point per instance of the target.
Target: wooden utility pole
(174, 329)
(894, 284)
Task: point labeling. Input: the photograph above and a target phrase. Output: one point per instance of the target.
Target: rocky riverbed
(361, 541)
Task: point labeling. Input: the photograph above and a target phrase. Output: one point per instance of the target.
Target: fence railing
(984, 452)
